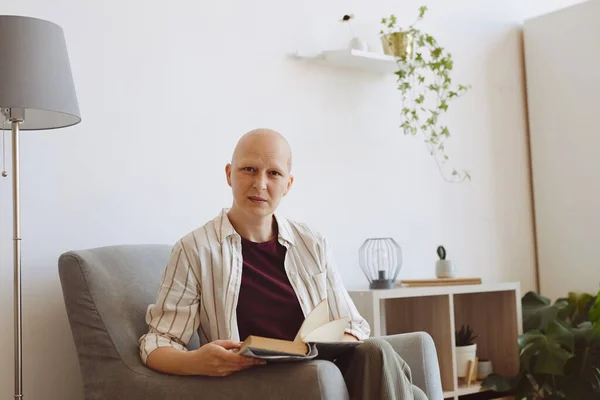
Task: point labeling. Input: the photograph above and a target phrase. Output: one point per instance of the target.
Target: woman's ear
(228, 174)
(289, 185)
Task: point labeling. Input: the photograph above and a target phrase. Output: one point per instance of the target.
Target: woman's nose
(260, 183)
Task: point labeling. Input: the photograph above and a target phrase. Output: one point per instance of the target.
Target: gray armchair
(106, 292)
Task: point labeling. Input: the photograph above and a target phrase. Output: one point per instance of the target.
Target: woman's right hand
(217, 359)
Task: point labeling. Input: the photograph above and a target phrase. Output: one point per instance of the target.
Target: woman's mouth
(257, 199)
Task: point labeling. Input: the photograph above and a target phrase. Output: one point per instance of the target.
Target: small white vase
(445, 269)
(358, 44)
(464, 354)
(484, 369)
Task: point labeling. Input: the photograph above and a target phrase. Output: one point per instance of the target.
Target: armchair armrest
(313, 380)
(419, 352)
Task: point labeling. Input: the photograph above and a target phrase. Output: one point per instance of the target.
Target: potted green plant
(444, 268)
(559, 350)
(466, 349)
(426, 86)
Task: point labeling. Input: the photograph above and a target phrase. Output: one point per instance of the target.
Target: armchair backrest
(106, 292)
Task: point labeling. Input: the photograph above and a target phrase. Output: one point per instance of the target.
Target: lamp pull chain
(4, 173)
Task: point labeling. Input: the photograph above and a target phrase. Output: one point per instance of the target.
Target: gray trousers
(374, 371)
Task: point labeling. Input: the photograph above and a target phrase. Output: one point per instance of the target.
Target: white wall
(566, 170)
(166, 88)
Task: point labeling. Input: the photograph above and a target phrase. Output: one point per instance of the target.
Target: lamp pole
(16, 117)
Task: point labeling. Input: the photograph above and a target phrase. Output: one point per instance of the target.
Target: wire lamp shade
(380, 260)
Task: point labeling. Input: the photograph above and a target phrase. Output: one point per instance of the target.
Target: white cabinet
(493, 310)
(562, 61)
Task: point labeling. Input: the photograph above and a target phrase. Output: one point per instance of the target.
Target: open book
(317, 338)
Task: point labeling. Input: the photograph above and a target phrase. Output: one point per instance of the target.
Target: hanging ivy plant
(425, 83)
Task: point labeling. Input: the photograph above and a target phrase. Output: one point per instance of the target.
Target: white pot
(464, 354)
(484, 369)
(445, 269)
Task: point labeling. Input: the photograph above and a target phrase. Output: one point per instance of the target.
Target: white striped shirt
(201, 283)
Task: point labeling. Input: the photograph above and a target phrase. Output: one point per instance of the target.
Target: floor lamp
(36, 93)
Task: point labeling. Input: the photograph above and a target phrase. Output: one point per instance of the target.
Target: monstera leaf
(547, 353)
(500, 383)
(596, 384)
(579, 305)
(559, 351)
(595, 316)
(538, 311)
(522, 386)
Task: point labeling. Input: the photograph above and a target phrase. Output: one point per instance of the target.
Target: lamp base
(382, 284)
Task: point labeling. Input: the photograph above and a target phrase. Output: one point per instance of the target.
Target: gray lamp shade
(35, 73)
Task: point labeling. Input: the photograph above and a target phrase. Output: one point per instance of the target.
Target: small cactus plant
(465, 336)
(441, 251)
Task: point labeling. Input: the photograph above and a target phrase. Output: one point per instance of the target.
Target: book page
(330, 332)
(317, 317)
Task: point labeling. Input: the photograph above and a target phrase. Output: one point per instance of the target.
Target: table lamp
(36, 93)
(380, 260)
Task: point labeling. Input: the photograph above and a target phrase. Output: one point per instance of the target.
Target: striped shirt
(201, 283)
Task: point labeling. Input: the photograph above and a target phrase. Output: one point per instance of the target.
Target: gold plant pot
(398, 44)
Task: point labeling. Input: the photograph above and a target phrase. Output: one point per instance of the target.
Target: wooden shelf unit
(492, 309)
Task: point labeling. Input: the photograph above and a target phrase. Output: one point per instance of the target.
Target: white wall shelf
(353, 59)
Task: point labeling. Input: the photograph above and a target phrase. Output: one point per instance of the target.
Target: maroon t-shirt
(267, 304)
